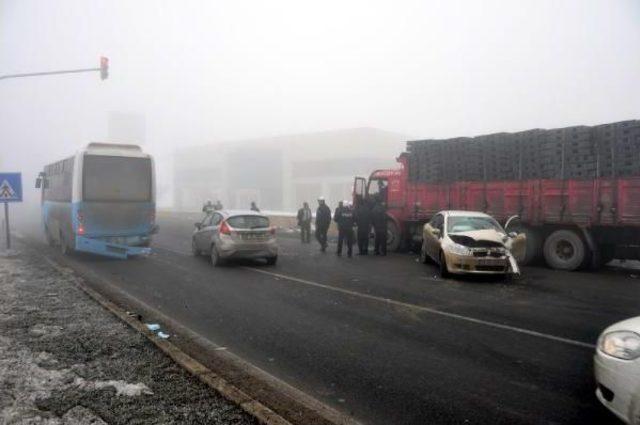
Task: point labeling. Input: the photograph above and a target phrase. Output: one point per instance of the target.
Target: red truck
(574, 192)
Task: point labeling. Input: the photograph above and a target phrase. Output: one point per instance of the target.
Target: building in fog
(279, 173)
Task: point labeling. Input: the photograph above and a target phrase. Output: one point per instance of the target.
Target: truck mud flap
(96, 246)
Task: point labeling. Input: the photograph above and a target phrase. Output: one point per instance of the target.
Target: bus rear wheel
(65, 248)
(48, 237)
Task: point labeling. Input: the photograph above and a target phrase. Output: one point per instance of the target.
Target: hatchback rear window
(248, 222)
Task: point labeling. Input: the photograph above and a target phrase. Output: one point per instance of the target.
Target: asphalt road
(388, 341)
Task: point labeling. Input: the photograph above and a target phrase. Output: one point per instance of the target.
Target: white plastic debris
(163, 335)
(153, 327)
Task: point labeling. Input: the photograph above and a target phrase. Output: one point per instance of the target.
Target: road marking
(427, 309)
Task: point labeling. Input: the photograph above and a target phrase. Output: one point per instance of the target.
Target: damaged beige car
(468, 242)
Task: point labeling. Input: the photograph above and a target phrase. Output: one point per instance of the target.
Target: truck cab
(385, 186)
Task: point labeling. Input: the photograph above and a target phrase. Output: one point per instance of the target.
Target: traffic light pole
(37, 74)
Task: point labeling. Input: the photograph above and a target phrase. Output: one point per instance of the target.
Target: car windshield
(248, 222)
(471, 223)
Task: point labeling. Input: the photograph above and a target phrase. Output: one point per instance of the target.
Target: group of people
(210, 207)
(365, 216)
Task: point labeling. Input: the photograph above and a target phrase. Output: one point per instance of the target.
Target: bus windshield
(116, 178)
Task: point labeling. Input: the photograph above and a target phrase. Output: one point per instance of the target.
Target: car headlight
(623, 345)
(458, 249)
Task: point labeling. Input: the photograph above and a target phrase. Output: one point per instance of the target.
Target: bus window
(115, 178)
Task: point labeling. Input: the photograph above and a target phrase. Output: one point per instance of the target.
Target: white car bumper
(619, 386)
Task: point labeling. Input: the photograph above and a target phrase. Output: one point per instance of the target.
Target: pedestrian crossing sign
(10, 187)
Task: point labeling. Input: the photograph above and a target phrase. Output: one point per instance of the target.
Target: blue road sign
(10, 187)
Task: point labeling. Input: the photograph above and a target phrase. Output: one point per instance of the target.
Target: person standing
(218, 206)
(304, 222)
(345, 220)
(323, 221)
(379, 220)
(207, 208)
(363, 221)
(254, 207)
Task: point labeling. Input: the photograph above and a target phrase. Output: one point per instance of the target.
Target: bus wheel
(64, 246)
(393, 236)
(564, 250)
(48, 237)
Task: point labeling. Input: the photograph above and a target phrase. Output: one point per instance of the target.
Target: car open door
(359, 187)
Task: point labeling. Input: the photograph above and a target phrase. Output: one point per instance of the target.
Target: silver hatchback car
(226, 235)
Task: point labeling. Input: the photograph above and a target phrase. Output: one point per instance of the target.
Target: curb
(262, 413)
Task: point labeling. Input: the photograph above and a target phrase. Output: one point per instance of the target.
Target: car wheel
(444, 271)
(216, 261)
(194, 248)
(271, 261)
(564, 250)
(424, 258)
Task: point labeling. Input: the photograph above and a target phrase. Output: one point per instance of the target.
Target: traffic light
(104, 68)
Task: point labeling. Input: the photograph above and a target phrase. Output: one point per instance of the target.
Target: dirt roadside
(65, 360)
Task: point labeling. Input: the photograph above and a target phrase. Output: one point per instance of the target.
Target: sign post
(10, 191)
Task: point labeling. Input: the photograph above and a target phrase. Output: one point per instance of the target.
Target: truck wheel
(564, 250)
(534, 242)
(393, 236)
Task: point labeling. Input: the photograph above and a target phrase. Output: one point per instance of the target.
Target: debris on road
(163, 335)
(153, 327)
(66, 361)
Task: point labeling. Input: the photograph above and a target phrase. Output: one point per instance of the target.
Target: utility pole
(103, 69)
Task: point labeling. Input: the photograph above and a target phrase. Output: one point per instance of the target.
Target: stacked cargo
(579, 152)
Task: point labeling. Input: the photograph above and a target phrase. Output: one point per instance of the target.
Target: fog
(202, 72)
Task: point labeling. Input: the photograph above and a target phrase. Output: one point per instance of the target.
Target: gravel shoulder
(66, 360)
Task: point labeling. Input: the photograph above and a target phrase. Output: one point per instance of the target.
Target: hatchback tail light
(225, 229)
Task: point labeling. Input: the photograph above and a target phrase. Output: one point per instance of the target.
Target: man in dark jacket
(345, 220)
(379, 220)
(254, 207)
(323, 221)
(363, 221)
(304, 221)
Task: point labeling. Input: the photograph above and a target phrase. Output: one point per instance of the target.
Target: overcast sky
(206, 71)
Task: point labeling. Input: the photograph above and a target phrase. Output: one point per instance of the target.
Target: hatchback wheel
(194, 248)
(271, 261)
(216, 261)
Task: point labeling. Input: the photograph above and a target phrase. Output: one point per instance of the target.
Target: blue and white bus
(101, 200)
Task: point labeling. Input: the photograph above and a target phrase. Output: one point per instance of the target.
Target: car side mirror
(198, 225)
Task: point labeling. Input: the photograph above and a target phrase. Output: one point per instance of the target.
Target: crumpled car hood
(476, 237)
